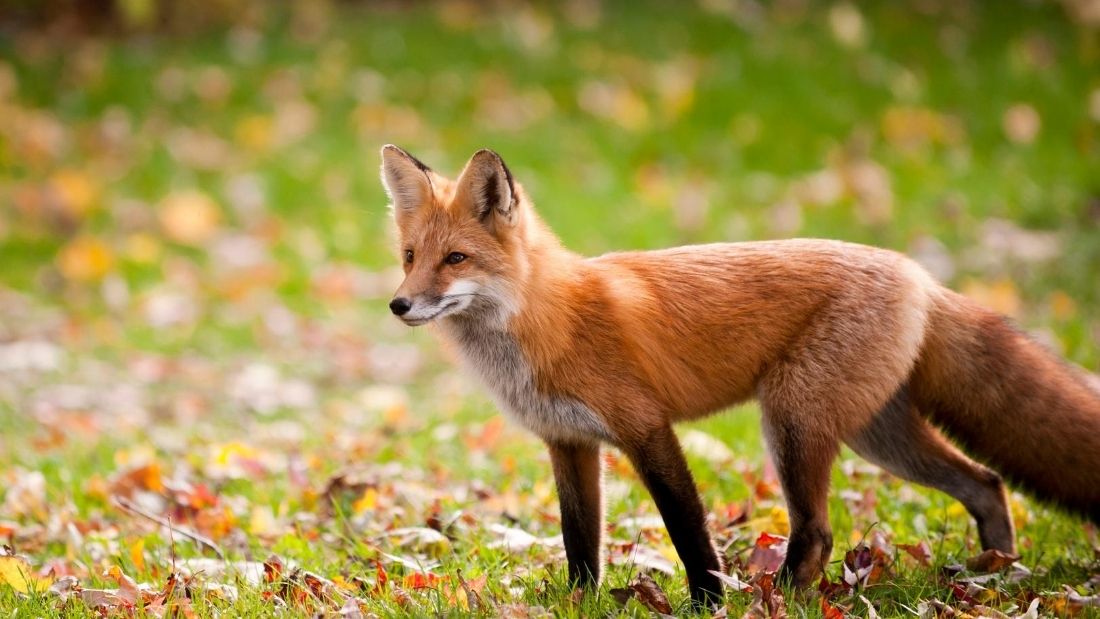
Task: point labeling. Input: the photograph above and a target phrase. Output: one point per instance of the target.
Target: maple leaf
(16, 572)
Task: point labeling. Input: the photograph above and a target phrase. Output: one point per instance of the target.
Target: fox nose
(400, 306)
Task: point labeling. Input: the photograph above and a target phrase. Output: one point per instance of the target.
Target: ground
(197, 256)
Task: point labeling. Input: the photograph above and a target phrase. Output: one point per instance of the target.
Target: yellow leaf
(1062, 305)
(776, 521)
(143, 248)
(1021, 515)
(85, 259)
(75, 190)
(227, 452)
(254, 133)
(137, 555)
(96, 488)
(367, 502)
(190, 218)
(15, 571)
(956, 510)
(262, 521)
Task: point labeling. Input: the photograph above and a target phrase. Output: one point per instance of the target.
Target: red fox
(838, 342)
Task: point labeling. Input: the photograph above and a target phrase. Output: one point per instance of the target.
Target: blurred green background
(965, 133)
(195, 251)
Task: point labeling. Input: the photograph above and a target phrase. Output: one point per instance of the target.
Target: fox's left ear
(486, 186)
(407, 180)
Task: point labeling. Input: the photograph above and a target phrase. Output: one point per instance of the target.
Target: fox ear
(486, 185)
(406, 179)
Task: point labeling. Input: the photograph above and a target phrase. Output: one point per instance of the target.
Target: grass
(620, 130)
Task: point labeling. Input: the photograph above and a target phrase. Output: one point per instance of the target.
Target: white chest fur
(496, 358)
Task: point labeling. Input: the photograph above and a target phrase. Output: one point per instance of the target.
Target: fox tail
(1012, 404)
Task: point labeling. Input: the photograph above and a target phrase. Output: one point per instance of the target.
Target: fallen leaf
(732, 581)
(128, 589)
(65, 587)
(76, 191)
(189, 218)
(1077, 602)
(767, 601)
(991, 561)
(421, 539)
(16, 572)
(251, 572)
(1021, 123)
(622, 595)
(85, 259)
(647, 558)
(650, 594)
(776, 521)
(767, 554)
(351, 609)
(1032, 611)
(922, 552)
(421, 580)
(518, 540)
(864, 565)
(98, 598)
(871, 612)
(829, 611)
(705, 446)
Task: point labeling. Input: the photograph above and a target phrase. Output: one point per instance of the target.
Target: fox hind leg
(901, 441)
(804, 461)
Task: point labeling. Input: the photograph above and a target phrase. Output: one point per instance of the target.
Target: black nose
(400, 306)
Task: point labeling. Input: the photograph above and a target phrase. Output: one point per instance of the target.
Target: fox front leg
(660, 463)
(578, 476)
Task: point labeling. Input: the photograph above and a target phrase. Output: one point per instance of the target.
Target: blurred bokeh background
(195, 252)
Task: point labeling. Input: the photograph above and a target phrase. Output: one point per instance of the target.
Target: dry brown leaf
(128, 589)
(922, 552)
(96, 598)
(767, 601)
(650, 594)
(991, 561)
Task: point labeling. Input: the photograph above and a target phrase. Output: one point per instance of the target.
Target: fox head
(461, 241)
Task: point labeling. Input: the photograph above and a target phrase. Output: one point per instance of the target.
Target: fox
(839, 343)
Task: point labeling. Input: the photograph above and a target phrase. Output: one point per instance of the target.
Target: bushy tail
(1012, 404)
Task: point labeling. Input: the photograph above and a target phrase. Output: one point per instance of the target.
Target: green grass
(732, 113)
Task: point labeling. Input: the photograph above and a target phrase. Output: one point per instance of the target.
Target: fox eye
(409, 256)
(454, 257)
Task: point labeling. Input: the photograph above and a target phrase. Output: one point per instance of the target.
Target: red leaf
(421, 580)
(829, 611)
(273, 568)
(767, 555)
(382, 576)
(767, 540)
(767, 601)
